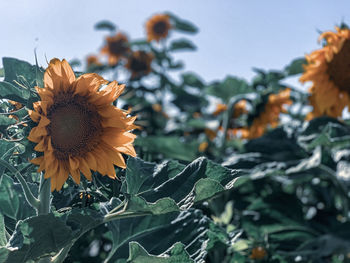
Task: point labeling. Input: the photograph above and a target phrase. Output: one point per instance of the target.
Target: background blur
(263, 34)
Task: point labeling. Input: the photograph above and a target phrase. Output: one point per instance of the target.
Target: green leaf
(295, 67)
(187, 101)
(175, 254)
(12, 92)
(3, 239)
(161, 206)
(193, 80)
(181, 44)
(188, 227)
(230, 87)
(105, 25)
(45, 235)
(170, 184)
(2, 72)
(22, 72)
(182, 25)
(5, 122)
(12, 201)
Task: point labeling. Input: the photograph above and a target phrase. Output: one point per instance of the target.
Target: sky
(234, 36)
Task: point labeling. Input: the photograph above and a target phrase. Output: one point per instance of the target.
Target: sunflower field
(129, 156)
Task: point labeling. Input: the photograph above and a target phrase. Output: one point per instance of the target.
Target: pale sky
(234, 36)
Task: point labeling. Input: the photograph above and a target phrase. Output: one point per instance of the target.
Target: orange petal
(53, 182)
(36, 134)
(74, 163)
(75, 175)
(35, 116)
(37, 160)
(58, 76)
(85, 169)
(87, 83)
(61, 177)
(45, 94)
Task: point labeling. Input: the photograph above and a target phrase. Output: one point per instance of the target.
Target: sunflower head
(139, 63)
(116, 47)
(78, 128)
(329, 71)
(157, 27)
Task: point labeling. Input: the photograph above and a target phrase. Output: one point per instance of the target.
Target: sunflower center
(339, 68)
(160, 27)
(138, 65)
(118, 47)
(74, 128)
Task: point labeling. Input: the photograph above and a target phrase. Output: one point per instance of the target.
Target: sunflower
(157, 27)
(139, 63)
(239, 109)
(219, 109)
(268, 117)
(93, 60)
(79, 129)
(258, 253)
(329, 70)
(117, 47)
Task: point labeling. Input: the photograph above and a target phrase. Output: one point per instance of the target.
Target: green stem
(343, 192)
(34, 202)
(229, 113)
(121, 215)
(44, 195)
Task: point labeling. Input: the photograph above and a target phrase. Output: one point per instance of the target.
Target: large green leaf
(176, 254)
(18, 71)
(157, 233)
(228, 88)
(170, 186)
(45, 235)
(12, 201)
(12, 92)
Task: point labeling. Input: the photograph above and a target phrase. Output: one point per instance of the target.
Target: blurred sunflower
(219, 109)
(93, 60)
(117, 47)
(157, 27)
(139, 63)
(329, 70)
(258, 253)
(240, 108)
(268, 117)
(78, 127)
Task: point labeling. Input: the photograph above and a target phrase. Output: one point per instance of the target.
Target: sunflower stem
(226, 121)
(44, 195)
(32, 201)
